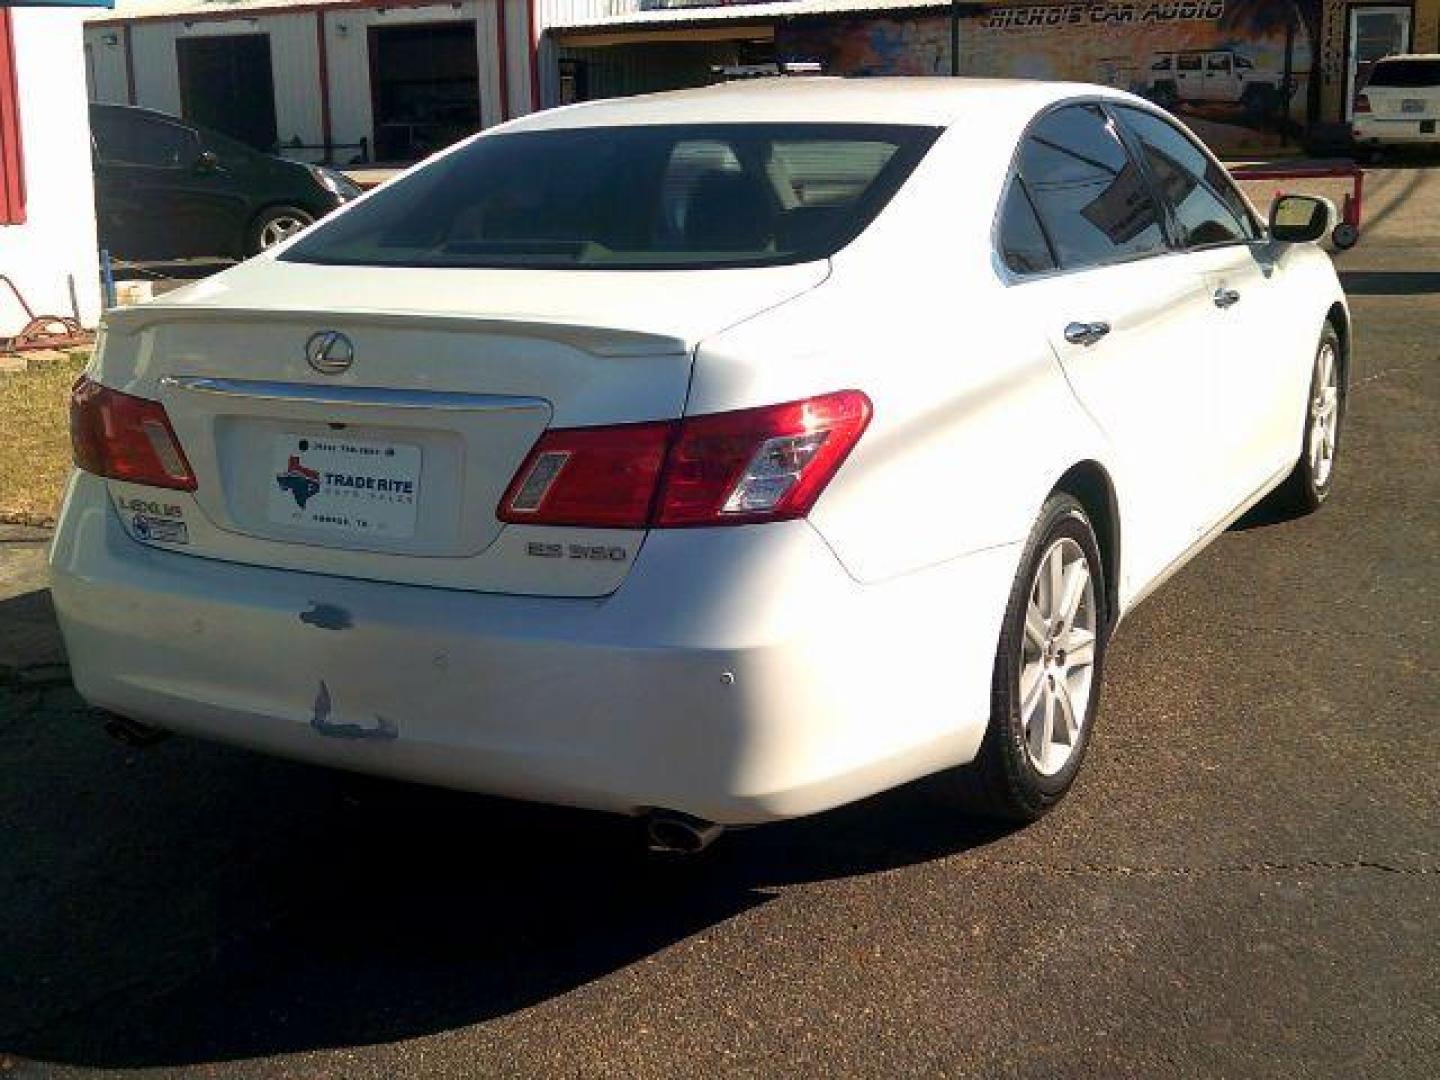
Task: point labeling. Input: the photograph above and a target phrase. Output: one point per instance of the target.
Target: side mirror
(207, 162)
(1301, 219)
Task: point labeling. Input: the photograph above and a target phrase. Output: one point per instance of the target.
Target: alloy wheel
(1324, 417)
(278, 228)
(1057, 663)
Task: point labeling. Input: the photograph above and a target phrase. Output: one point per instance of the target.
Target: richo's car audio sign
(1031, 15)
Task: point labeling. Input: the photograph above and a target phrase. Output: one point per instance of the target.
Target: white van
(1400, 104)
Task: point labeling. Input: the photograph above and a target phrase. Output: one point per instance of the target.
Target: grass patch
(35, 438)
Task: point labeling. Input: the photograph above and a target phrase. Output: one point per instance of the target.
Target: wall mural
(1237, 71)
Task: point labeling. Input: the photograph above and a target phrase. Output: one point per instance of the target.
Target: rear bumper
(738, 675)
(1370, 131)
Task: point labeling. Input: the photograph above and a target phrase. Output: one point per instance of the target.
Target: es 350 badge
(591, 552)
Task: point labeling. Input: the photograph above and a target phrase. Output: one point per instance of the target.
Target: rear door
(1220, 83)
(1254, 360)
(1190, 76)
(1128, 319)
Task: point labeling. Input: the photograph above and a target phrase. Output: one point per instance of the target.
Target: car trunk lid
(391, 466)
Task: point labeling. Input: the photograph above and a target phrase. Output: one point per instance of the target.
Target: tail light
(125, 438)
(1362, 104)
(602, 476)
(734, 468)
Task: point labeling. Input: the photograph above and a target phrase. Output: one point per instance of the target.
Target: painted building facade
(47, 200)
(1252, 76)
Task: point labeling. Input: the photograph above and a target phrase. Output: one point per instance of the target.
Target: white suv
(1217, 75)
(1400, 103)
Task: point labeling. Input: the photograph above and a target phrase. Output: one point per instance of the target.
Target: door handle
(1226, 298)
(1086, 333)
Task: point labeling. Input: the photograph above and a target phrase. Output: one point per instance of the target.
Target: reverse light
(602, 476)
(125, 438)
(733, 468)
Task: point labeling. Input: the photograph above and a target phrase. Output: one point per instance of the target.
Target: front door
(1248, 381)
(154, 198)
(1375, 33)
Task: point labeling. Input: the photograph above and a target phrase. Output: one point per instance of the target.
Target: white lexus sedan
(716, 456)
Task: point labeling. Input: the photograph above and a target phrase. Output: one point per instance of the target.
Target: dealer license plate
(345, 487)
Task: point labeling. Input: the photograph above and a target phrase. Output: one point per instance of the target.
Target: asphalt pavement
(1245, 881)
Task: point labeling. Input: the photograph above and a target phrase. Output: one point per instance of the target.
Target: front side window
(131, 139)
(683, 196)
(1208, 207)
(1091, 197)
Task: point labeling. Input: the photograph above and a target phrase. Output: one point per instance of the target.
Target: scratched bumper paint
(699, 692)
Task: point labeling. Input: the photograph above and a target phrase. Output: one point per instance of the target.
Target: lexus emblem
(329, 352)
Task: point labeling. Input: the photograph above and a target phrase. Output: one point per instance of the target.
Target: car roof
(996, 104)
(114, 106)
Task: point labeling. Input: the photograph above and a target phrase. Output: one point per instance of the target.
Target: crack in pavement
(1307, 866)
(1335, 635)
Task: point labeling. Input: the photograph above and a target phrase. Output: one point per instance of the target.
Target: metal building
(322, 80)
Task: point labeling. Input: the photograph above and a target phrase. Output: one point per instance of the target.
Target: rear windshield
(1406, 73)
(661, 197)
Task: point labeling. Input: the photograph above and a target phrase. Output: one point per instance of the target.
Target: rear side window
(1406, 74)
(655, 197)
(1091, 197)
(1022, 242)
(1208, 207)
(128, 139)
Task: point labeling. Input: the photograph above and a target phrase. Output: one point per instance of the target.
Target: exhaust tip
(133, 733)
(669, 832)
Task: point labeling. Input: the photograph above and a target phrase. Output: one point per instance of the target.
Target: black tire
(1003, 782)
(1303, 492)
(1165, 95)
(267, 219)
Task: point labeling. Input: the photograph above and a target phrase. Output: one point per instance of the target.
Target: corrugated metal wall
(622, 70)
(295, 62)
(105, 64)
(566, 12)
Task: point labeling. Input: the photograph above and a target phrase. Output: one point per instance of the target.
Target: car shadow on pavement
(191, 903)
(1390, 282)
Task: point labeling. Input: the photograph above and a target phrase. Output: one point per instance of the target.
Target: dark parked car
(166, 189)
